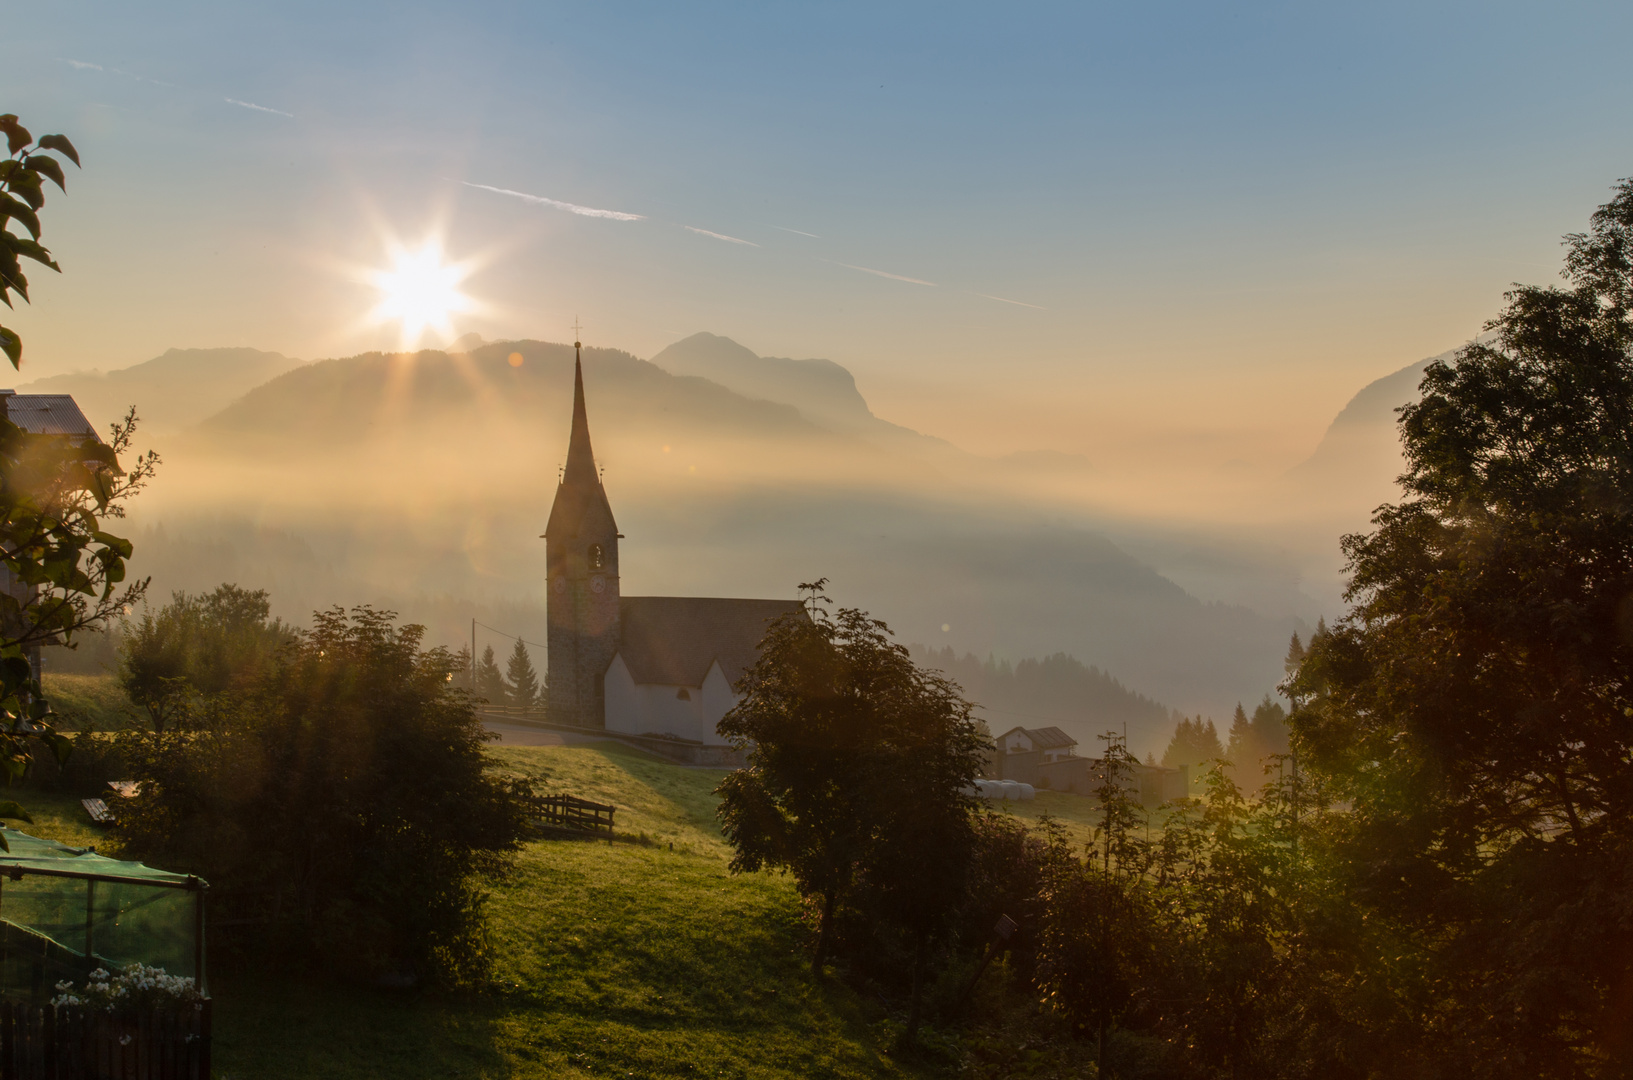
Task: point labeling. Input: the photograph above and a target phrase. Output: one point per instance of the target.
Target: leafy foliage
(342, 805)
(22, 194)
(1477, 706)
(194, 645)
(63, 572)
(858, 766)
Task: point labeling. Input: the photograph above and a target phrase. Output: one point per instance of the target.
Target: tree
(490, 684)
(1194, 746)
(1475, 705)
(343, 805)
(208, 644)
(857, 771)
(522, 682)
(21, 196)
(63, 571)
(1253, 744)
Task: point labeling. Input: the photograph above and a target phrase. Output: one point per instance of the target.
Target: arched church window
(598, 557)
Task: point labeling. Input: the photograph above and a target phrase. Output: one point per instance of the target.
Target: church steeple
(580, 498)
(580, 458)
(581, 561)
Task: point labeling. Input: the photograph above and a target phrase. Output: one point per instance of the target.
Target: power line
(512, 637)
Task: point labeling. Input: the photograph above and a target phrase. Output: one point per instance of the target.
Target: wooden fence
(69, 1043)
(569, 813)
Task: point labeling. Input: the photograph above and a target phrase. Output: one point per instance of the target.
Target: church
(636, 665)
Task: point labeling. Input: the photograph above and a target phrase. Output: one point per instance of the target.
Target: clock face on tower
(598, 585)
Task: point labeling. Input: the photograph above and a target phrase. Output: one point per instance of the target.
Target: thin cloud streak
(884, 274)
(258, 108)
(1007, 300)
(557, 204)
(82, 65)
(719, 236)
(798, 232)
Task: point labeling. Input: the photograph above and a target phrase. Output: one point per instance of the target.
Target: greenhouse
(66, 911)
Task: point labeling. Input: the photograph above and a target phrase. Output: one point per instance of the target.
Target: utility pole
(473, 656)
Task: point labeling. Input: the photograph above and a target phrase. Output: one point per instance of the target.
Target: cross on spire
(577, 344)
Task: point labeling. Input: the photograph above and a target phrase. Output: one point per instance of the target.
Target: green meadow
(644, 957)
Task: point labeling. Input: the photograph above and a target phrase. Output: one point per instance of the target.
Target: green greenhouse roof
(32, 855)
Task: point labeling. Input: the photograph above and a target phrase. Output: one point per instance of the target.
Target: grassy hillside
(622, 959)
(96, 700)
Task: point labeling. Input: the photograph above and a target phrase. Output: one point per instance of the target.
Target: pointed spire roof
(580, 499)
(580, 457)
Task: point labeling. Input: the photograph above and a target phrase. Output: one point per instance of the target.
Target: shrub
(342, 809)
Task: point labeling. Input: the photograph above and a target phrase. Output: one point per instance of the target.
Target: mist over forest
(420, 482)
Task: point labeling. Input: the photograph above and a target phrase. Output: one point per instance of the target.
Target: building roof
(1050, 738)
(673, 640)
(46, 414)
(1045, 738)
(580, 498)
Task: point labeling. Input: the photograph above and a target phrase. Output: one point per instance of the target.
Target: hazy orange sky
(1130, 231)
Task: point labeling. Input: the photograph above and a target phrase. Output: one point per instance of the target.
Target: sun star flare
(421, 292)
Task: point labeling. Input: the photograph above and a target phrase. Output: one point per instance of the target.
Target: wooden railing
(70, 1043)
(571, 814)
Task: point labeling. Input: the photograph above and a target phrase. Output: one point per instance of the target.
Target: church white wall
(717, 701)
(655, 709)
(651, 708)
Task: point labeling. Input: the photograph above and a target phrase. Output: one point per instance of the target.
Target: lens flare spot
(515, 359)
(946, 628)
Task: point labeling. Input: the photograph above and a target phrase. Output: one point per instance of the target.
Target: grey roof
(46, 414)
(1043, 738)
(672, 640)
(1050, 738)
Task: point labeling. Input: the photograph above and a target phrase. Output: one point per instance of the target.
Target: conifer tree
(1195, 745)
(1237, 743)
(522, 682)
(490, 684)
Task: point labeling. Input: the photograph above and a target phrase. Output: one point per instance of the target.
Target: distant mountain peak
(821, 389)
(171, 391)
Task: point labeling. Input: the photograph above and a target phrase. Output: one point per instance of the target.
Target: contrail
(82, 65)
(798, 232)
(1007, 300)
(571, 208)
(883, 274)
(258, 108)
(719, 236)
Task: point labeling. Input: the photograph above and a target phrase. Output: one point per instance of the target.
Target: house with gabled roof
(636, 665)
(1050, 743)
(41, 414)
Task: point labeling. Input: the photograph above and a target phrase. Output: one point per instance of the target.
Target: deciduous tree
(859, 763)
(1477, 706)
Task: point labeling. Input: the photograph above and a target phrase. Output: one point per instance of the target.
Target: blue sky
(1225, 219)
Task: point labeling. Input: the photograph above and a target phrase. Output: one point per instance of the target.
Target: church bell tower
(581, 561)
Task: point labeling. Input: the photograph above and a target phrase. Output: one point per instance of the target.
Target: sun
(420, 292)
